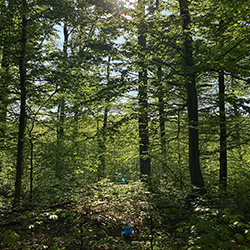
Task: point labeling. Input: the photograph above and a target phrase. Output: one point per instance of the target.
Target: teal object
(123, 179)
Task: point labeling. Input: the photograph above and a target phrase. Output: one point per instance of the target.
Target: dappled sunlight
(124, 124)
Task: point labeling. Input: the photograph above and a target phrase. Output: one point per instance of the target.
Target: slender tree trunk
(61, 107)
(4, 91)
(31, 166)
(237, 129)
(237, 116)
(179, 152)
(61, 114)
(192, 102)
(101, 145)
(223, 133)
(161, 111)
(22, 73)
(5, 76)
(31, 159)
(103, 134)
(162, 131)
(145, 162)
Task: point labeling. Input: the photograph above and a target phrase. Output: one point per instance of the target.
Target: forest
(124, 124)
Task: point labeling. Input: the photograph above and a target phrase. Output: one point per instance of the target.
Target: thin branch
(244, 38)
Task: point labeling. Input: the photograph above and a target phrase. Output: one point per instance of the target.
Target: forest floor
(94, 219)
(61, 227)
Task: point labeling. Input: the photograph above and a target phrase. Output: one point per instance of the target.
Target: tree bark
(61, 107)
(161, 112)
(31, 167)
(5, 63)
(5, 76)
(60, 166)
(192, 102)
(4, 91)
(223, 133)
(237, 116)
(145, 162)
(103, 134)
(101, 145)
(22, 116)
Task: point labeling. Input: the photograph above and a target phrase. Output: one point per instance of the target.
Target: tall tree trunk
(145, 162)
(161, 112)
(22, 73)
(31, 166)
(103, 134)
(162, 131)
(192, 102)
(4, 93)
(223, 133)
(101, 145)
(61, 113)
(237, 130)
(61, 107)
(5, 76)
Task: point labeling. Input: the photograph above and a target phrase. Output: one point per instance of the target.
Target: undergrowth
(93, 216)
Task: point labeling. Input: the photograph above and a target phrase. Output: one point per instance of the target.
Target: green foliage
(210, 228)
(55, 247)
(85, 91)
(10, 238)
(167, 219)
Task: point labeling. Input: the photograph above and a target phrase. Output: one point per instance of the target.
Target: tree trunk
(237, 130)
(101, 145)
(102, 135)
(4, 91)
(145, 163)
(161, 112)
(5, 76)
(61, 107)
(160, 94)
(192, 102)
(61, 114)
(31, 166)
(223, 133)
(22, 73)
